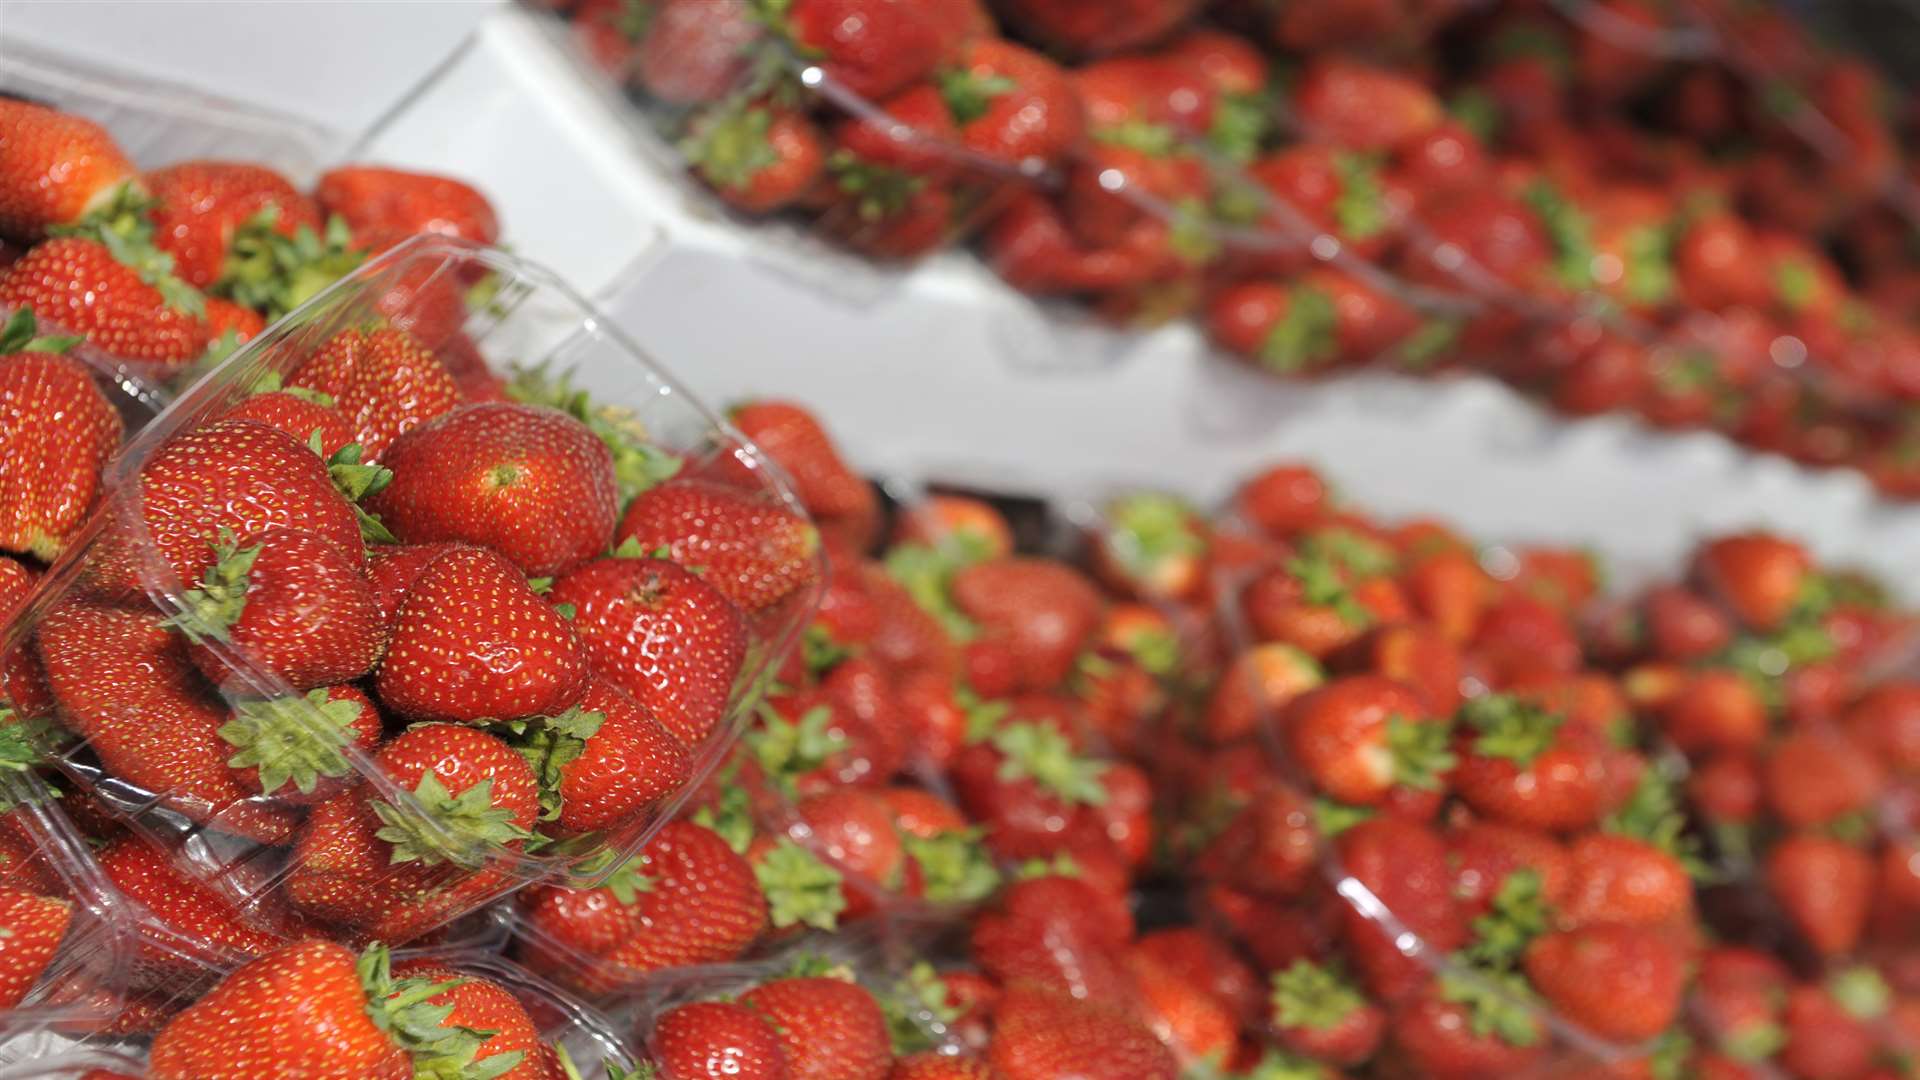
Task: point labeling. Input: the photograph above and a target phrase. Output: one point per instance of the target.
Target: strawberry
(385, 201)
(966, 530)
(1617, 980)
(125, 684)
(1682, 627)
(1192, 1023)
(1360, 736)
(383, 380)
(687, 898)
(913, 138)
(692, 52)
(717, 1040)
(299, 413)
(532, 483)
(393, 568)
(1488, 859)
(1830, 1029)
(1813, 777)
(931, 1065)
(308, 1009)
(183, 905)
(874, 48)
(1031, 790)
(793, 437)
(56, 432)
(754, 551)
(59, 168)
(661, 633)
(1715, 709)
(1082, 27)
(1404, 866)
(394, 872)
(291, 605)
(1153, 546)
(757, 157)
(1336, 191)
(1621, 879)
(523, 660)
(1362, 107)
(1469, 1023)
(1886, 719)
(1525, 765)
(854, 830)
(1825, 888)
(77, 285)
(510, 1048)
(1319, 1014)
(291, 748)
(830, 1029)
(1207, 961)
(35, 926)
(199, 207)
(606, 761)
(1058, 930)
(1042, 1034)
(1043, 610)
(1760, 578)
(1013, 105)
(238, 476)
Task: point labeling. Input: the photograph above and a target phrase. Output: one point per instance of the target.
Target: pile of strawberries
(1689, 212)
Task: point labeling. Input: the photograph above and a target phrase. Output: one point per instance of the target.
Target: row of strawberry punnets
(1318, 211)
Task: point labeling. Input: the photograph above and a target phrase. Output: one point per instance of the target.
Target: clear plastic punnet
(421, 763)
(73, 934)
(83, 1064)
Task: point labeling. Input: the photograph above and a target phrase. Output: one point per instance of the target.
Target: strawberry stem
(292, 739)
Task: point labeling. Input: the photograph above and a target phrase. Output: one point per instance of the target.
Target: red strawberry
(693, 52)
(1715, 709)
(35, 926)
(383, 380)
(1825, 887)
(125, 684)
(872, 47)
(1526, 765)
(1830, 1029)
(1192, 1023)
(76, 285)
(1090, 26)
(1013, 105)
(200, 206)
(1318, 1014)
(1468, 1024)
(607, 761)
(1621, 879)
(1360, 736)
(56, 433)
(1616, 980)
(717, 1040)
(382, 869)
(376, 200)
(299, 413)
(291, 748)
(1061, 931)
(238, 476)
(1404, 866)
(1362, 107)
(393, 568)
(1042, 1034)
(1486, 855)
(826, 485)
(1815, 776)
(1760, 578)
(59, 167)
(510, 1048)
(1032, 791)
(758, 157)
(290, 605)
(308, 1009)
(968, 530)
(936, 1066)
(181, 904)
(687, 898)
(1044, 610)
(913, 137)
(522, 660)
(1337, 191)
(830, 1029)
(754, 551)
(661, 633)
(854, 830)
(533, 484)
(1887, 720)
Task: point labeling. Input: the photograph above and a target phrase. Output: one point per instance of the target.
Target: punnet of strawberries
(1693, 213)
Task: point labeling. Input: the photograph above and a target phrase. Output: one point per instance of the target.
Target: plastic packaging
(249, 846)
(82, 978)
(75, 1065)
